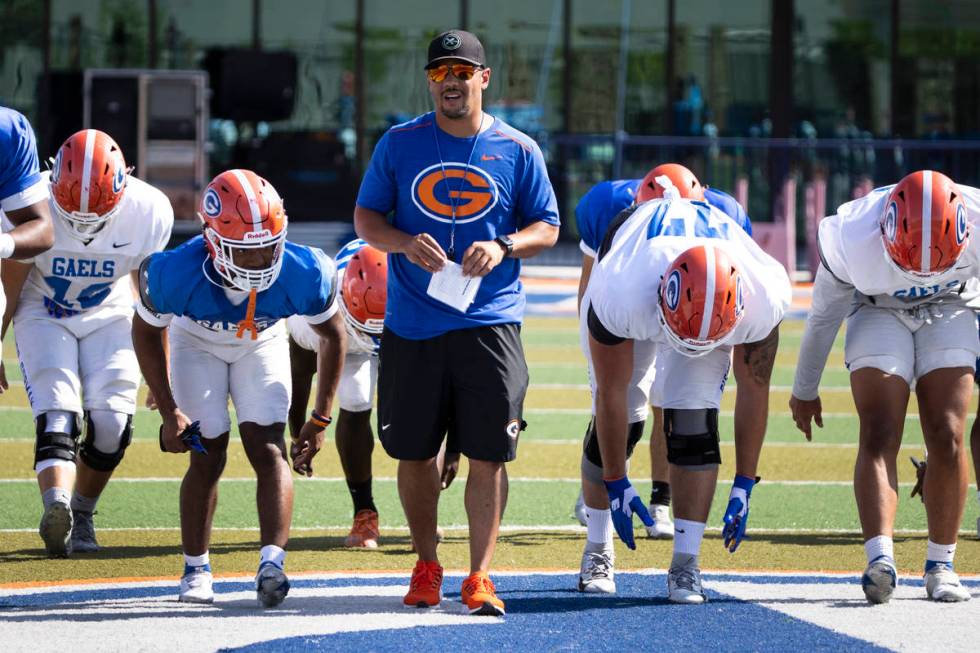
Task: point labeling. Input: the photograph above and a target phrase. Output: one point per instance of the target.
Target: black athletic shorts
(469, 383)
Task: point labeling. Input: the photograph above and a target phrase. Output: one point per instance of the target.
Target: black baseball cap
(456, 44)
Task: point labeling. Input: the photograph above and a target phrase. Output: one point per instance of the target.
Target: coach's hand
(304, 448)
(424, 251)
(481, 257)
(804, 411)
(450, 467)
(174, 424)
(3, 379)
(737, 514)
(623, 502)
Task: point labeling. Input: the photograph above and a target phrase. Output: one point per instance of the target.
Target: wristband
(319, 420)
(6, 245)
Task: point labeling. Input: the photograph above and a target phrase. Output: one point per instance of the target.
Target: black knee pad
(52, 445)
(590, 448)
(98, 460)
(692, 436)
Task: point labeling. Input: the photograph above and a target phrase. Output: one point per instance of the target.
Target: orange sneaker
(480, 596)
(425, 588)
(364, 533)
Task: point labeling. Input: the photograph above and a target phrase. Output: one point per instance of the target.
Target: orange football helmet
(364, 290)
(243, 213)
(668, 175)
(924, 226)
(700, 300)
(88, 179)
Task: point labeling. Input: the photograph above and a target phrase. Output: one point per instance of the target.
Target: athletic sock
(660, 494)
(83, 504)
(195, 562)
(360, 493)
(274, 554)
(939, 554)
(51, 495)
(599, 525)
(687, 541)
(880, 546)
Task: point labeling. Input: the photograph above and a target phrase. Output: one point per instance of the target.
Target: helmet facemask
(238, 276)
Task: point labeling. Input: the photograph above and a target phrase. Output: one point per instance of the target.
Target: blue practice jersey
(172, 283)
(19, 170)
(498, 183)
(604, 201)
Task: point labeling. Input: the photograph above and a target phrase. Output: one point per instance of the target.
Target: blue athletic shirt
(19, 168)
(504, 189)
(598, 207)
(172, 283)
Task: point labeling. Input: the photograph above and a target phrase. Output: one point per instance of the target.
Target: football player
(23, 198)
(72, 323)
(224, 295)
(594, 213)
(685, 276)
(900, 264)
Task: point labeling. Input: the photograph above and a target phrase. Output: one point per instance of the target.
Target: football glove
(737, 514)
(623, 502)
(191, 437)
(920, 477)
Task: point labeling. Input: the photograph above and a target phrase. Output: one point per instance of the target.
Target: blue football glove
(191, 437)
(737, 515)
(623, 502)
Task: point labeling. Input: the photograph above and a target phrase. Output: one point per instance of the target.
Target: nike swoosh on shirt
(118, 245)
(484, 157)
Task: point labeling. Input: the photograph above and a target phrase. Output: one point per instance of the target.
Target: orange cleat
(425, 588)
(364, 533)
(480, 596)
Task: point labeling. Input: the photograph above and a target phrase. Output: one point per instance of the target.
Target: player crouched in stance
(73, 322)
(223, 295)
(900, 264)
(684, 275)
(362, 276)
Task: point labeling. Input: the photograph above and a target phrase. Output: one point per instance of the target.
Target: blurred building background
(793, 105)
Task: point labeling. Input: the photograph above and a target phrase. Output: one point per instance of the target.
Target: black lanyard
(452, 200)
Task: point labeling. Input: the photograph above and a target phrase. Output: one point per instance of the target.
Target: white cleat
(55, 529)
(684, 584)
(942, 584)
(580, 510)
(196, 585)
(663, 526)
(597, 575)
(271, 585)
(879, 580)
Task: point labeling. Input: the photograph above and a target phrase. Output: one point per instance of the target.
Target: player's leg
(259, 384)
(110, 381)
(944, 388)
(490, 382)
(413, 415)
(663, 526)
(49, 361)
(691, 393)
(879, 352)
(355, 445)
(975, 453)
(200, 386)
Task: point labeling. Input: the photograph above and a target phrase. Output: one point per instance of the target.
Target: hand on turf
(424, 251)
(623, 502)
(304, 448)
(173, 425)
(804, 411)
(450, 467)
(737, 514)
(920, 477)
(481, 257)
(3, 379)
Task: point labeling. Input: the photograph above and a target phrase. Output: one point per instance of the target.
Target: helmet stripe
(87, 170)
(709, 295)
(926, 221)
(253, 203)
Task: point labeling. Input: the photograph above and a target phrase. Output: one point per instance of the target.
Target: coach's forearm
(330, 361)
(151, 353)
(534, 238)
(378, 232)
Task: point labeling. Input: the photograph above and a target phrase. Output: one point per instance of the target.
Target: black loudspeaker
(251, 85)
(60, 96)
(115, 110)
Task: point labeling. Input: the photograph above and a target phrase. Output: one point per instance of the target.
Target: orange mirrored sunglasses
(463, 71)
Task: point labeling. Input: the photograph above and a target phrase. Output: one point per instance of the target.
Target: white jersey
(624, 285)
(851, 249)
(85, 285)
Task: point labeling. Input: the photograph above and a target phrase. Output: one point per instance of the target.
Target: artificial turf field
(803, 516)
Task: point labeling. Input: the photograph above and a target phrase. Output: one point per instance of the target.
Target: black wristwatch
(506, 243)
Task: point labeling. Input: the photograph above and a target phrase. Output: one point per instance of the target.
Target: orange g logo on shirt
(472, 189)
